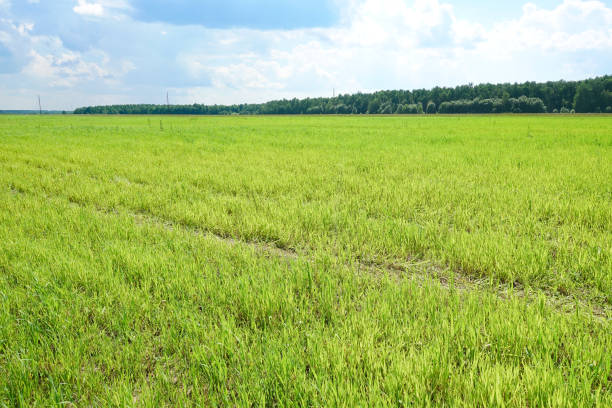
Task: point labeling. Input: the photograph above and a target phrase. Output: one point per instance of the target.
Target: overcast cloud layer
(89, 52)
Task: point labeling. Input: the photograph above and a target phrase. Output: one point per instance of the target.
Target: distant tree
(342, 109)
(431, 107)
(314, 110)
(386, 108)
(401, 109)
(606, 97)
(555, 111)
(373, 106)
(608, 109)
(584, 101)
(591, 95)
(408, 109)
(506, 101)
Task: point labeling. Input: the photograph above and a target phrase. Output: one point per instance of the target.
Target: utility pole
(39, 106)
(167, 99)
(334, 92)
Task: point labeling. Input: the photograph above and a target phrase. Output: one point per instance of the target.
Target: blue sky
(258, 14)
(83, 52)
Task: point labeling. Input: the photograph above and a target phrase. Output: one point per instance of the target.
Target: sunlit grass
(101, 307)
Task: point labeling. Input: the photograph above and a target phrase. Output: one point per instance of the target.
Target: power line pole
(167, 99)
(39, 106)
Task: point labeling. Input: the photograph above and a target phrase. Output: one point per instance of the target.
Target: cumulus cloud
(424, 23)
(68, 68)
(100, 8)
(384, 42)
(399, 43)
(572, 26)
(378, 44)
(89, 9)
(45, 58)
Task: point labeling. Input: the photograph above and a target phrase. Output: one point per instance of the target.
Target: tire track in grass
(420, 271)
(446, 276)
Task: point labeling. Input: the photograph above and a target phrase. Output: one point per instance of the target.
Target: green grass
(315, 261)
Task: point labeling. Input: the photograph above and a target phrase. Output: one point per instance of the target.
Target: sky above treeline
(96, 52)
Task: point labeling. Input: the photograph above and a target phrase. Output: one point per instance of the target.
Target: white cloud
(89, 9)
(380, 44)
(63, 70)
(100, 8)
(45, 59)
(572, 26)
(422, 23)
(387, 42)
(402, 44)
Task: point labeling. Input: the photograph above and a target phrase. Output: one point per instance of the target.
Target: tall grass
(112, 293)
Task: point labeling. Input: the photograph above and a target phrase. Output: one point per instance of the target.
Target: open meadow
(306, 261)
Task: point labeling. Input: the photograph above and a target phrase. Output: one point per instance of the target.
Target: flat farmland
(306, 261)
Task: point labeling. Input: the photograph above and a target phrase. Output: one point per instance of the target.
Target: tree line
(587, 96)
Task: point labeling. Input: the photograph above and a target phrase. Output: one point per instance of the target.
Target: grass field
(306, 261)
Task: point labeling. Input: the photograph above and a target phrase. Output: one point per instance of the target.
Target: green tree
(584, 101)
(373, 106)
(431, 107)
